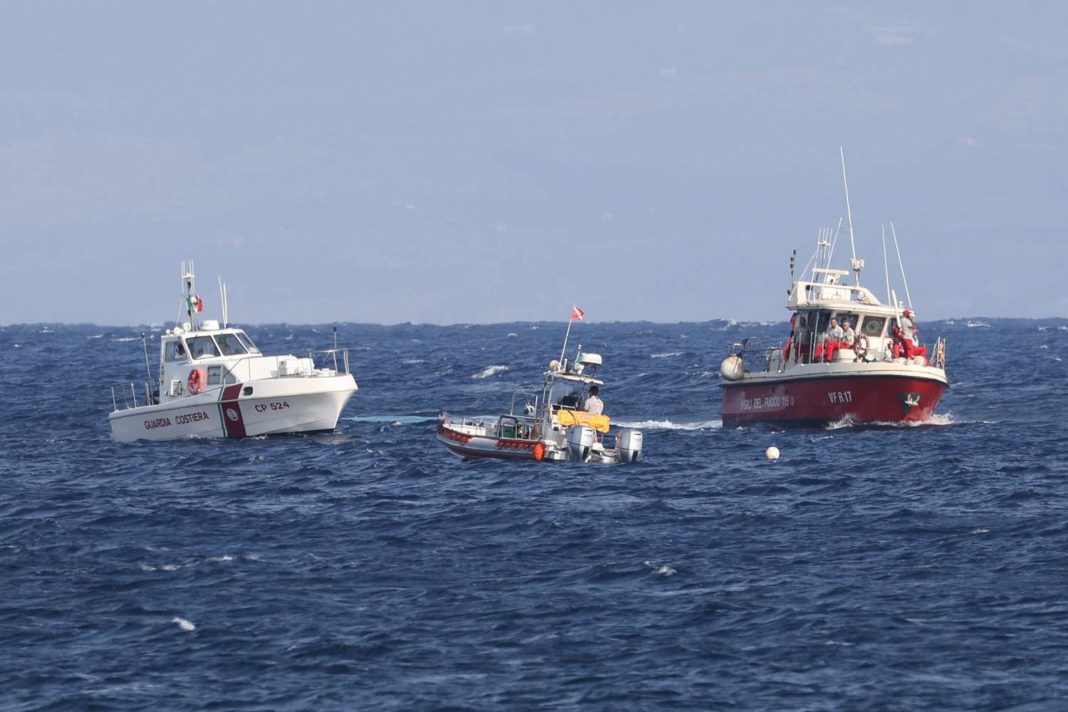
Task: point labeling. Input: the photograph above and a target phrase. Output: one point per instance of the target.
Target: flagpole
(564, 349)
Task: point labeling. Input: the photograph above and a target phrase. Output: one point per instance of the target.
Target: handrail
(333, 352)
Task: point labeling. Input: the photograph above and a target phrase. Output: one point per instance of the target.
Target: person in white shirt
(594, 404)
(834, 332)
(849, 337)
(909, 327)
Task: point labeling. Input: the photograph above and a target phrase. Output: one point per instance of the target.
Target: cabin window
(822, 322)
(174, 351)
(230, 345)
(873, 325)
(214, 375)
(566, 394)
(843, 317)
(202, 347)
(247, 342)
(229, 378)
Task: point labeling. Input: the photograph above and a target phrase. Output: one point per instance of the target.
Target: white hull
(474, 442)
(275, 406)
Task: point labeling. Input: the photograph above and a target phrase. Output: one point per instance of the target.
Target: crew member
(834, 340)
(594, 405)
(849, 337)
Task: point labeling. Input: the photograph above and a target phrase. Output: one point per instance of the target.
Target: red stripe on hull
(233, 420)
(825, 400)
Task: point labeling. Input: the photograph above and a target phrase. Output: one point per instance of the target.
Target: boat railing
(760, 353)
(128, 393)
(333, 353)
(529, 399)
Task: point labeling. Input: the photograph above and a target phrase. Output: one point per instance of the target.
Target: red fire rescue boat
(877, 370)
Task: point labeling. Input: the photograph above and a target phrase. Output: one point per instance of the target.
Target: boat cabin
(208, 357)
(568, 385)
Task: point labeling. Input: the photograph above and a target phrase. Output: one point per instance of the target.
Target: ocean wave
(184, 623)
(667, 354)
(489, 371)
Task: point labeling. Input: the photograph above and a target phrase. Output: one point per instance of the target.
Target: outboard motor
(629, 444)
(579, 442)
(732, 368)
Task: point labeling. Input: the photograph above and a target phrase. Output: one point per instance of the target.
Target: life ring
(196, 381)
(861, 347)
(538, 451)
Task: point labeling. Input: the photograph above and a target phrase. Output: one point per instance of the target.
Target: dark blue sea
(868, 568)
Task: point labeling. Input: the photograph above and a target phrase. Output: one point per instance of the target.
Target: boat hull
(277, 406)
(476, 447)
(830, 397)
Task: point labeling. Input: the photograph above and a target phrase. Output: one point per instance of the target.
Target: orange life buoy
(538, 451)
(196, 381)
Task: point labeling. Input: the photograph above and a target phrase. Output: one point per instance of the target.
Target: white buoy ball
(772, 453)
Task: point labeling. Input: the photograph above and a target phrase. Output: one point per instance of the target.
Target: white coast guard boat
(215, 383)
(553, 426)
(879, 373)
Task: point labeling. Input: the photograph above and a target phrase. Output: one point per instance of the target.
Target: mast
(857, 265)
(223, 303)
(563, 350)
(901, 264)
(886, 265)
(189, 284)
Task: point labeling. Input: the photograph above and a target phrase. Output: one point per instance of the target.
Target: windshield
(567, 394)
(202, 347)
(230, 345)
(247, 342)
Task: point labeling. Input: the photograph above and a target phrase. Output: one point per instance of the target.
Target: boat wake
(394, 419)
(670, 425)
(938, 420)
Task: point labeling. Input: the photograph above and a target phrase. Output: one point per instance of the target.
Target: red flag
(200, 304)
(577, 314)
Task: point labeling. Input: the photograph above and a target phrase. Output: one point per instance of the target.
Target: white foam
(666, 355)
(184, 624)
(490, 371)
(664, 570)
(670, 425)
(412, 361)
(97, 336)
(936, 420)
(123, 339)
(977, 325)
(224, 557)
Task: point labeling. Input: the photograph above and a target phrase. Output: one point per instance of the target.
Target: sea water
(867, 568)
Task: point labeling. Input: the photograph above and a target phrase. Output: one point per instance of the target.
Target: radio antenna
(854, 263)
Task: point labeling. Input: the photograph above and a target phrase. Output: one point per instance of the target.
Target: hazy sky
(474, 162)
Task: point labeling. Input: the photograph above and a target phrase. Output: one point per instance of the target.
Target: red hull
(819, 400)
